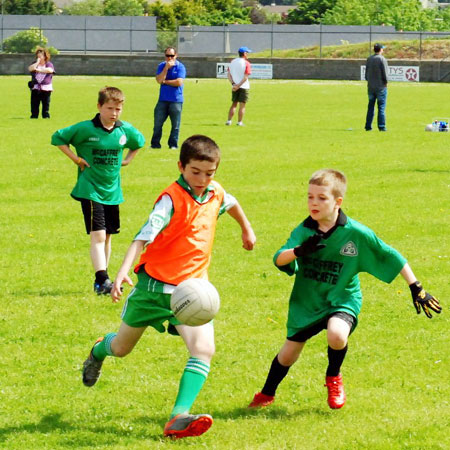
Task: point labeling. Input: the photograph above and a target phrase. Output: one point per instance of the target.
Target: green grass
(431, 48)
(397, 368)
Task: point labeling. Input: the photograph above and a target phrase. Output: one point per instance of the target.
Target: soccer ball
(429, 127)
(195, 302)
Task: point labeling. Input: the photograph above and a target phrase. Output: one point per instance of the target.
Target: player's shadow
(274, 412)
(55, 423)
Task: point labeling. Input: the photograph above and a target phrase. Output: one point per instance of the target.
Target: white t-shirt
(238, 68)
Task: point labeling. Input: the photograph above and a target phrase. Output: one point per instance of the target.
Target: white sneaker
(240, 124)
(228, 122)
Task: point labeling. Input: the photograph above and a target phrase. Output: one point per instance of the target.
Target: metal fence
(87, 33)
(91, 34)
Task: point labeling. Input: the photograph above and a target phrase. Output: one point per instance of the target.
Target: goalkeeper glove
(311, 245)
(424, 300)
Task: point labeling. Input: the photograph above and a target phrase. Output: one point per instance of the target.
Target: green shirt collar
(201, 199)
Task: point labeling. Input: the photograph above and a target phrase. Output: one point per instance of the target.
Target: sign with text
(259, 71)
(398, 73)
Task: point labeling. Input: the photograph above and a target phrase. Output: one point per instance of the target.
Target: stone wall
(205, 66)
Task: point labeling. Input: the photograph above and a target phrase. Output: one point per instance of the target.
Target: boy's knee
(203, 350)
(337, 341)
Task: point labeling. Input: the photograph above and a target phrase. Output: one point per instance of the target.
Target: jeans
(379, 97)
(161, 112)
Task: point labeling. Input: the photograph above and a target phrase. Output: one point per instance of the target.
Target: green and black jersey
(103, 151)
(327, 280)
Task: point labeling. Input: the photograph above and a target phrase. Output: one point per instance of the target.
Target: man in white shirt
(238, 73)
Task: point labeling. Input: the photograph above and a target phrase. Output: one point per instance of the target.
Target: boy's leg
(200, 343)
(98, 250)
(338, 330)
(279, 368)
(107, 249)
(112, 344)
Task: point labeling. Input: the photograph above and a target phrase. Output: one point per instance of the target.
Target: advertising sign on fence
(398, 73)
(259, 71)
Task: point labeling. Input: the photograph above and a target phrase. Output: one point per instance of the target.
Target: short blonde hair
(330, 177)
(112, 94)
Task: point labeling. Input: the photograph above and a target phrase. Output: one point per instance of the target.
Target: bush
(26, 42)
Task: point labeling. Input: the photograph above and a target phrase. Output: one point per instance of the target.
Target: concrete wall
(205, 66)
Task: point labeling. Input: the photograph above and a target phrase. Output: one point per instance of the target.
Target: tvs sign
(398, 73)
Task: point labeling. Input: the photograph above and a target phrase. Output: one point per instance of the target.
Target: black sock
(101, 276)
(276, 374)
(335, 360)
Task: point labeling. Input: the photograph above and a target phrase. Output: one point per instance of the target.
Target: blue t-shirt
(171, 93)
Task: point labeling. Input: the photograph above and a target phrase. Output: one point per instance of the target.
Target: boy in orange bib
(174, 244)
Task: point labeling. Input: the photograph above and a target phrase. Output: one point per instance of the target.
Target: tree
(309, 11)
(165, 15)
(85, 8)
(26, 42)
(123, 8)
(24, 7)
(408, 15)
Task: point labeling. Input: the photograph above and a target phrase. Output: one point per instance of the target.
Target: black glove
(311, 245)
(423, 299)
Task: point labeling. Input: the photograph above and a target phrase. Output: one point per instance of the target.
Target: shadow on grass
(273, 412)
(99, 434)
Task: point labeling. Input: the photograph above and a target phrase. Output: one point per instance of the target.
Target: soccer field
(396, 372)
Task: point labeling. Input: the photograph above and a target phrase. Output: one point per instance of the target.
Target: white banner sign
(398, 73)
(259, 71)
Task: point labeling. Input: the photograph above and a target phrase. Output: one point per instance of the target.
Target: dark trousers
(38, 97)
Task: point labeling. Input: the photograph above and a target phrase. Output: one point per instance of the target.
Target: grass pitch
(397, 368)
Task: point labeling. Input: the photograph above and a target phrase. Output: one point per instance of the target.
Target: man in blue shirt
(170, 75)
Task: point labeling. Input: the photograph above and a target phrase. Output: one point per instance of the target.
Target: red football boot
(186, 425)
(260, 400)
(336, 393)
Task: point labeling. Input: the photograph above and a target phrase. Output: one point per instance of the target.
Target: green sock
(192, 380)
(102, 349)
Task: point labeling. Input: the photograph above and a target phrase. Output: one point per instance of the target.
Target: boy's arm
(309, 246)
(248, 236)
(80, 162)
(421, 298)
(130, 155)
(134, 250)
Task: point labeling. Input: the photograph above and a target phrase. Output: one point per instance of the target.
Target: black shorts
(240, 96)
(307, 333)
(100, 217)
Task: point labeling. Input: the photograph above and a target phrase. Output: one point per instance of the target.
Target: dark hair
(241, 54)
(109, 93)
(201, 148)
(171, 48)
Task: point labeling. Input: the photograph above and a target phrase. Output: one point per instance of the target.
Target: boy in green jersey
(99, 145)
(326, 252)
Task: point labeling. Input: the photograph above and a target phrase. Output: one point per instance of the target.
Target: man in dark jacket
(376, 76)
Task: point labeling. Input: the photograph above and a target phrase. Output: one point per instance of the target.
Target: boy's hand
(311, 245)
(248, 239)
(116, 291)
(424, 300)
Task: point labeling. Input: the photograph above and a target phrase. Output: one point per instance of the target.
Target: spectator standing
(41, 83)
(376, 76)
(170, 75)
(238, 73)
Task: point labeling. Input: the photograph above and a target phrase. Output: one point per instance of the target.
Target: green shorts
(240, 96)
(145, 308)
